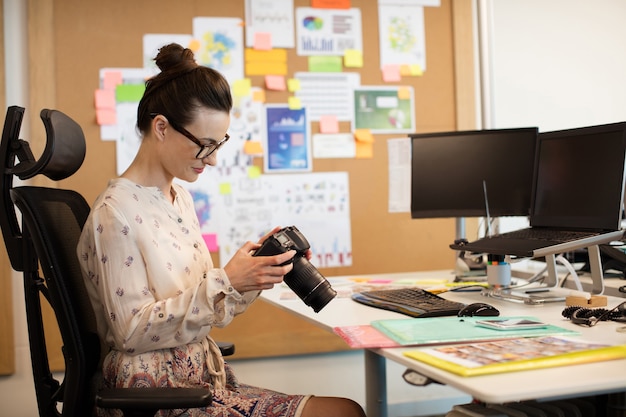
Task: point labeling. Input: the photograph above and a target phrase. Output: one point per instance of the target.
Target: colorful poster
(287, 144)
(220, 45)
(328, 31)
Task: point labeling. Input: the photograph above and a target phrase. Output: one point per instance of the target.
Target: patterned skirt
(184, 367)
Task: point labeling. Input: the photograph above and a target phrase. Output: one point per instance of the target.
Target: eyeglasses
(205, 150)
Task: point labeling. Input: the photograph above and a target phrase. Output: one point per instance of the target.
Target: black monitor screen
(448, 170)
(580, 177)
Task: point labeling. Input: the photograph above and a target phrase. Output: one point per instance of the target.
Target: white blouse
(149, 274)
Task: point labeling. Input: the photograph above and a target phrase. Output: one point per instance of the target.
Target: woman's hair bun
(174, 55)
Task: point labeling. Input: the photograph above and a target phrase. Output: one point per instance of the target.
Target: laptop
(578, 186)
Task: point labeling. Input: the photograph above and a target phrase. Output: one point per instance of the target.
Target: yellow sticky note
(225, 188)
(405, 70)
(329, 124)
(254, 171)
(259, 62)
(275, 82)
(258, 96)
(252, 147)
(363, 135)
(364, 150)
(404, 93)
(293, 84)
(391, 73)
(263, 41)
(353, 58)
(241, 88)
(416, 70)
(294, 103)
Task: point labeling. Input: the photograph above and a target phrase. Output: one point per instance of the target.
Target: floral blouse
(150, 276)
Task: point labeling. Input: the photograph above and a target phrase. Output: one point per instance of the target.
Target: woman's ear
(159, 124)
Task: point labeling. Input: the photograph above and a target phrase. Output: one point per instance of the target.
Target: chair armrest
(153, 398)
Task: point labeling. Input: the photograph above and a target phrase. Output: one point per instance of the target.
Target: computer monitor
(450, 172)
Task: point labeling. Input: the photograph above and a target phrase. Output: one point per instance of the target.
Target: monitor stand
(595, 264)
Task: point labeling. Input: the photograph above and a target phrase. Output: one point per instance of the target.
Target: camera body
(304, 279)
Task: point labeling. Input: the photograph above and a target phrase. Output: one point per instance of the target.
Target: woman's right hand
(253, 273)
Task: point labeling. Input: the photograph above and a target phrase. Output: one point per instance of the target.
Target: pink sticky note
(391, 73)
(329, 124)
(105, 99)
(111, 80)
(263, 41)
(275, 82)
(106, 117)
(211, 242)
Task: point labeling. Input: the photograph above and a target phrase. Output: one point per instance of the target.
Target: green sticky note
(129, 92)
(321, 63)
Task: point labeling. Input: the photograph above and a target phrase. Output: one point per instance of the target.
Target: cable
(560, 259)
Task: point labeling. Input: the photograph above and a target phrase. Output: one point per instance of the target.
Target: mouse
(479, 309)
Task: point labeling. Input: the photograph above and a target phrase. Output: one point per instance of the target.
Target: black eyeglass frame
(205, 150)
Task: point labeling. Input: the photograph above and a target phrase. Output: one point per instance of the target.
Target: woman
(149, 274)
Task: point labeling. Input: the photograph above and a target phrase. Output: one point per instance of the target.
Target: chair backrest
(52, 220)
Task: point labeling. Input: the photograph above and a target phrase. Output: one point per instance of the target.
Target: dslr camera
(304, 279)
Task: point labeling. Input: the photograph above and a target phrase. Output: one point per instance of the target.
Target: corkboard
(75, 39)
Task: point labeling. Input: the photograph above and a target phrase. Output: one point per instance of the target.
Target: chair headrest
(64, 152)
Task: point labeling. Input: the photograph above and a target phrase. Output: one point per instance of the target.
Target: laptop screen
(579, 178)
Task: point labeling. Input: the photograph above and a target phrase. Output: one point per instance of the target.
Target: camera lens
(309, 284)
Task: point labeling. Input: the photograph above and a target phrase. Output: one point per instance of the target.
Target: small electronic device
(510, 324)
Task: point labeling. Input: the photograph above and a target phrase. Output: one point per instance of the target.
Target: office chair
(52, 220)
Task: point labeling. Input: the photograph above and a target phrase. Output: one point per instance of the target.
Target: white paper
(328, 31)
(335, 145)
(271, 16)
(221, 45)
(399, 158)
(402, 36)
(328, 94)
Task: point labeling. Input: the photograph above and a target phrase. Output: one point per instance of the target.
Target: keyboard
(414, 302)
(535, 233)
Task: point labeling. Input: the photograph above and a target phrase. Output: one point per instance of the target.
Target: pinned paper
(252, 147)
(211, 242)
(241, 88)
(353, 58)
(275, 82)
(391, 73)
(294, 103)
(293, 84)
(263, 41)
(329, 124)
(323, 63)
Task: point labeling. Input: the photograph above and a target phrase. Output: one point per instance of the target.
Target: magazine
(517, 354)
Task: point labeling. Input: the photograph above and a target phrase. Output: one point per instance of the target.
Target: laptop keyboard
(414, 302)
(549, 234)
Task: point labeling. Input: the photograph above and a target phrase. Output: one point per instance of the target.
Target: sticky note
(259, 62)
(353, 58)
(263, 41)
(294, 103)
(105, 99)
(258, 96)
(275, 82)
(211, 241)
(363, 135)
(111, 79)
(225, 188)
(241, 88)
(330, 4)
(106, 117)
(129, 92)
(391, 73)
(329, 124)
(416, 69)
(252, 147)
(254, 172)
(404, 93)
(364, 150)
(322, 63)
(293, 84)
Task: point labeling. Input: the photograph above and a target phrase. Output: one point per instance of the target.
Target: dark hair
(180, 88)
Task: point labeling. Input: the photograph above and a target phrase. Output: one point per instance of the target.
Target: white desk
(571, 381)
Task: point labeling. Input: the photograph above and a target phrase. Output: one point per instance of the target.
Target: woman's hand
(253, 273)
